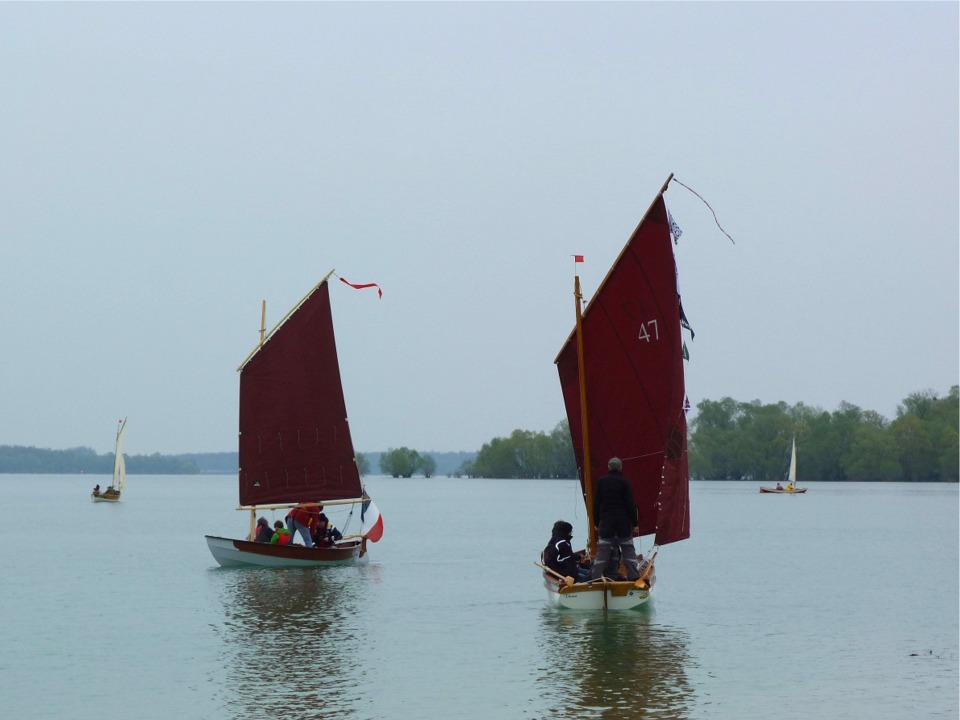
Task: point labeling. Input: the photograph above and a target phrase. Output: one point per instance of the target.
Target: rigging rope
(708, 207)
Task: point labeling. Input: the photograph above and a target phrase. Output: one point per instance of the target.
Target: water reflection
(291, 641)
(615, 665)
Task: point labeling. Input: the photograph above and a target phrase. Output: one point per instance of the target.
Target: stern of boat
(598, 594)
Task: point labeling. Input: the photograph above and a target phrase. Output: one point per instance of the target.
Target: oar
(642, 580)
(566, 579)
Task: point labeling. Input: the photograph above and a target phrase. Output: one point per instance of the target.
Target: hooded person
(263, 532)
(326, 535)
(559, 556)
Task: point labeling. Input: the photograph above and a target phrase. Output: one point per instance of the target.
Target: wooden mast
(263, 331)
(263, 320)
(587, 472)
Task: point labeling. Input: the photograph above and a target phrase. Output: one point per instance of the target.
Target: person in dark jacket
(615, 512)
(559, 556)
(264, 531)
(326, 535)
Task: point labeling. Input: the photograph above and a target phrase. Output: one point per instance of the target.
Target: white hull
(243, 553)
(599, 595)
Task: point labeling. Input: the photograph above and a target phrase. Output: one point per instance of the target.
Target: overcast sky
(165, 167)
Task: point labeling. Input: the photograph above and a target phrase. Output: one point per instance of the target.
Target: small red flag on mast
(361, 287)
(578, 258)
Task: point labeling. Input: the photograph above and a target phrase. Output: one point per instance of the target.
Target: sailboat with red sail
(621, 374)
(295, 447)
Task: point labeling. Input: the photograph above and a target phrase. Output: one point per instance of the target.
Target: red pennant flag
(578, 258)
(361, 287)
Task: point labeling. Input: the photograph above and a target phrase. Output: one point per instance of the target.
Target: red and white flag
(371, 524)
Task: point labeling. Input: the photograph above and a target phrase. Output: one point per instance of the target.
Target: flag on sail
(686, 353)
(686, 404)
(371, 524)
(362, 286)
(674, 228)
(684, 322)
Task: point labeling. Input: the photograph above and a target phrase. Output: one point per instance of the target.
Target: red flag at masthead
(361, 287)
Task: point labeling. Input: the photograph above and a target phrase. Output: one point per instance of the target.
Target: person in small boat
(281, 536)
(559, 556)
(779, 486)
(264, 532)
(96, 489)
(326, 535)
(616, 513)
(789, 486)
(303, 519)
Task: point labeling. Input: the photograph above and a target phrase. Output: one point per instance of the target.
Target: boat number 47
(648, 331)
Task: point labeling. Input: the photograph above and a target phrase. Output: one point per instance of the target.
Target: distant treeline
(525, 454)
(27, 460)
(729, 440)
(15, 459)
(732, 440)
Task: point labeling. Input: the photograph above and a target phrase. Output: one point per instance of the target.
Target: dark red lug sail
(295, 442)
(633, 366)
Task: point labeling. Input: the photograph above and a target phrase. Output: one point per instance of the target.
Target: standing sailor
(617, 525)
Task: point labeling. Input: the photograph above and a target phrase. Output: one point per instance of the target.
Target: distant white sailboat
(112, 493)
(791, 488)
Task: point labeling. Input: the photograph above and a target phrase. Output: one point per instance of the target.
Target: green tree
(949, 461)
(363, 464)
(872, 456)
(428, 465)
(926, 431)
(914, 445)
(710, 446)
(400, 462)
(563, 462)
(843, 423)
(526, 454)
(764, 436)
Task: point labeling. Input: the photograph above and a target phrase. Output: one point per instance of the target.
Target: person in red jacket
(303, 519)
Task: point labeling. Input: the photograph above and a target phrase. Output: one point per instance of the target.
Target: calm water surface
(841, 603)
